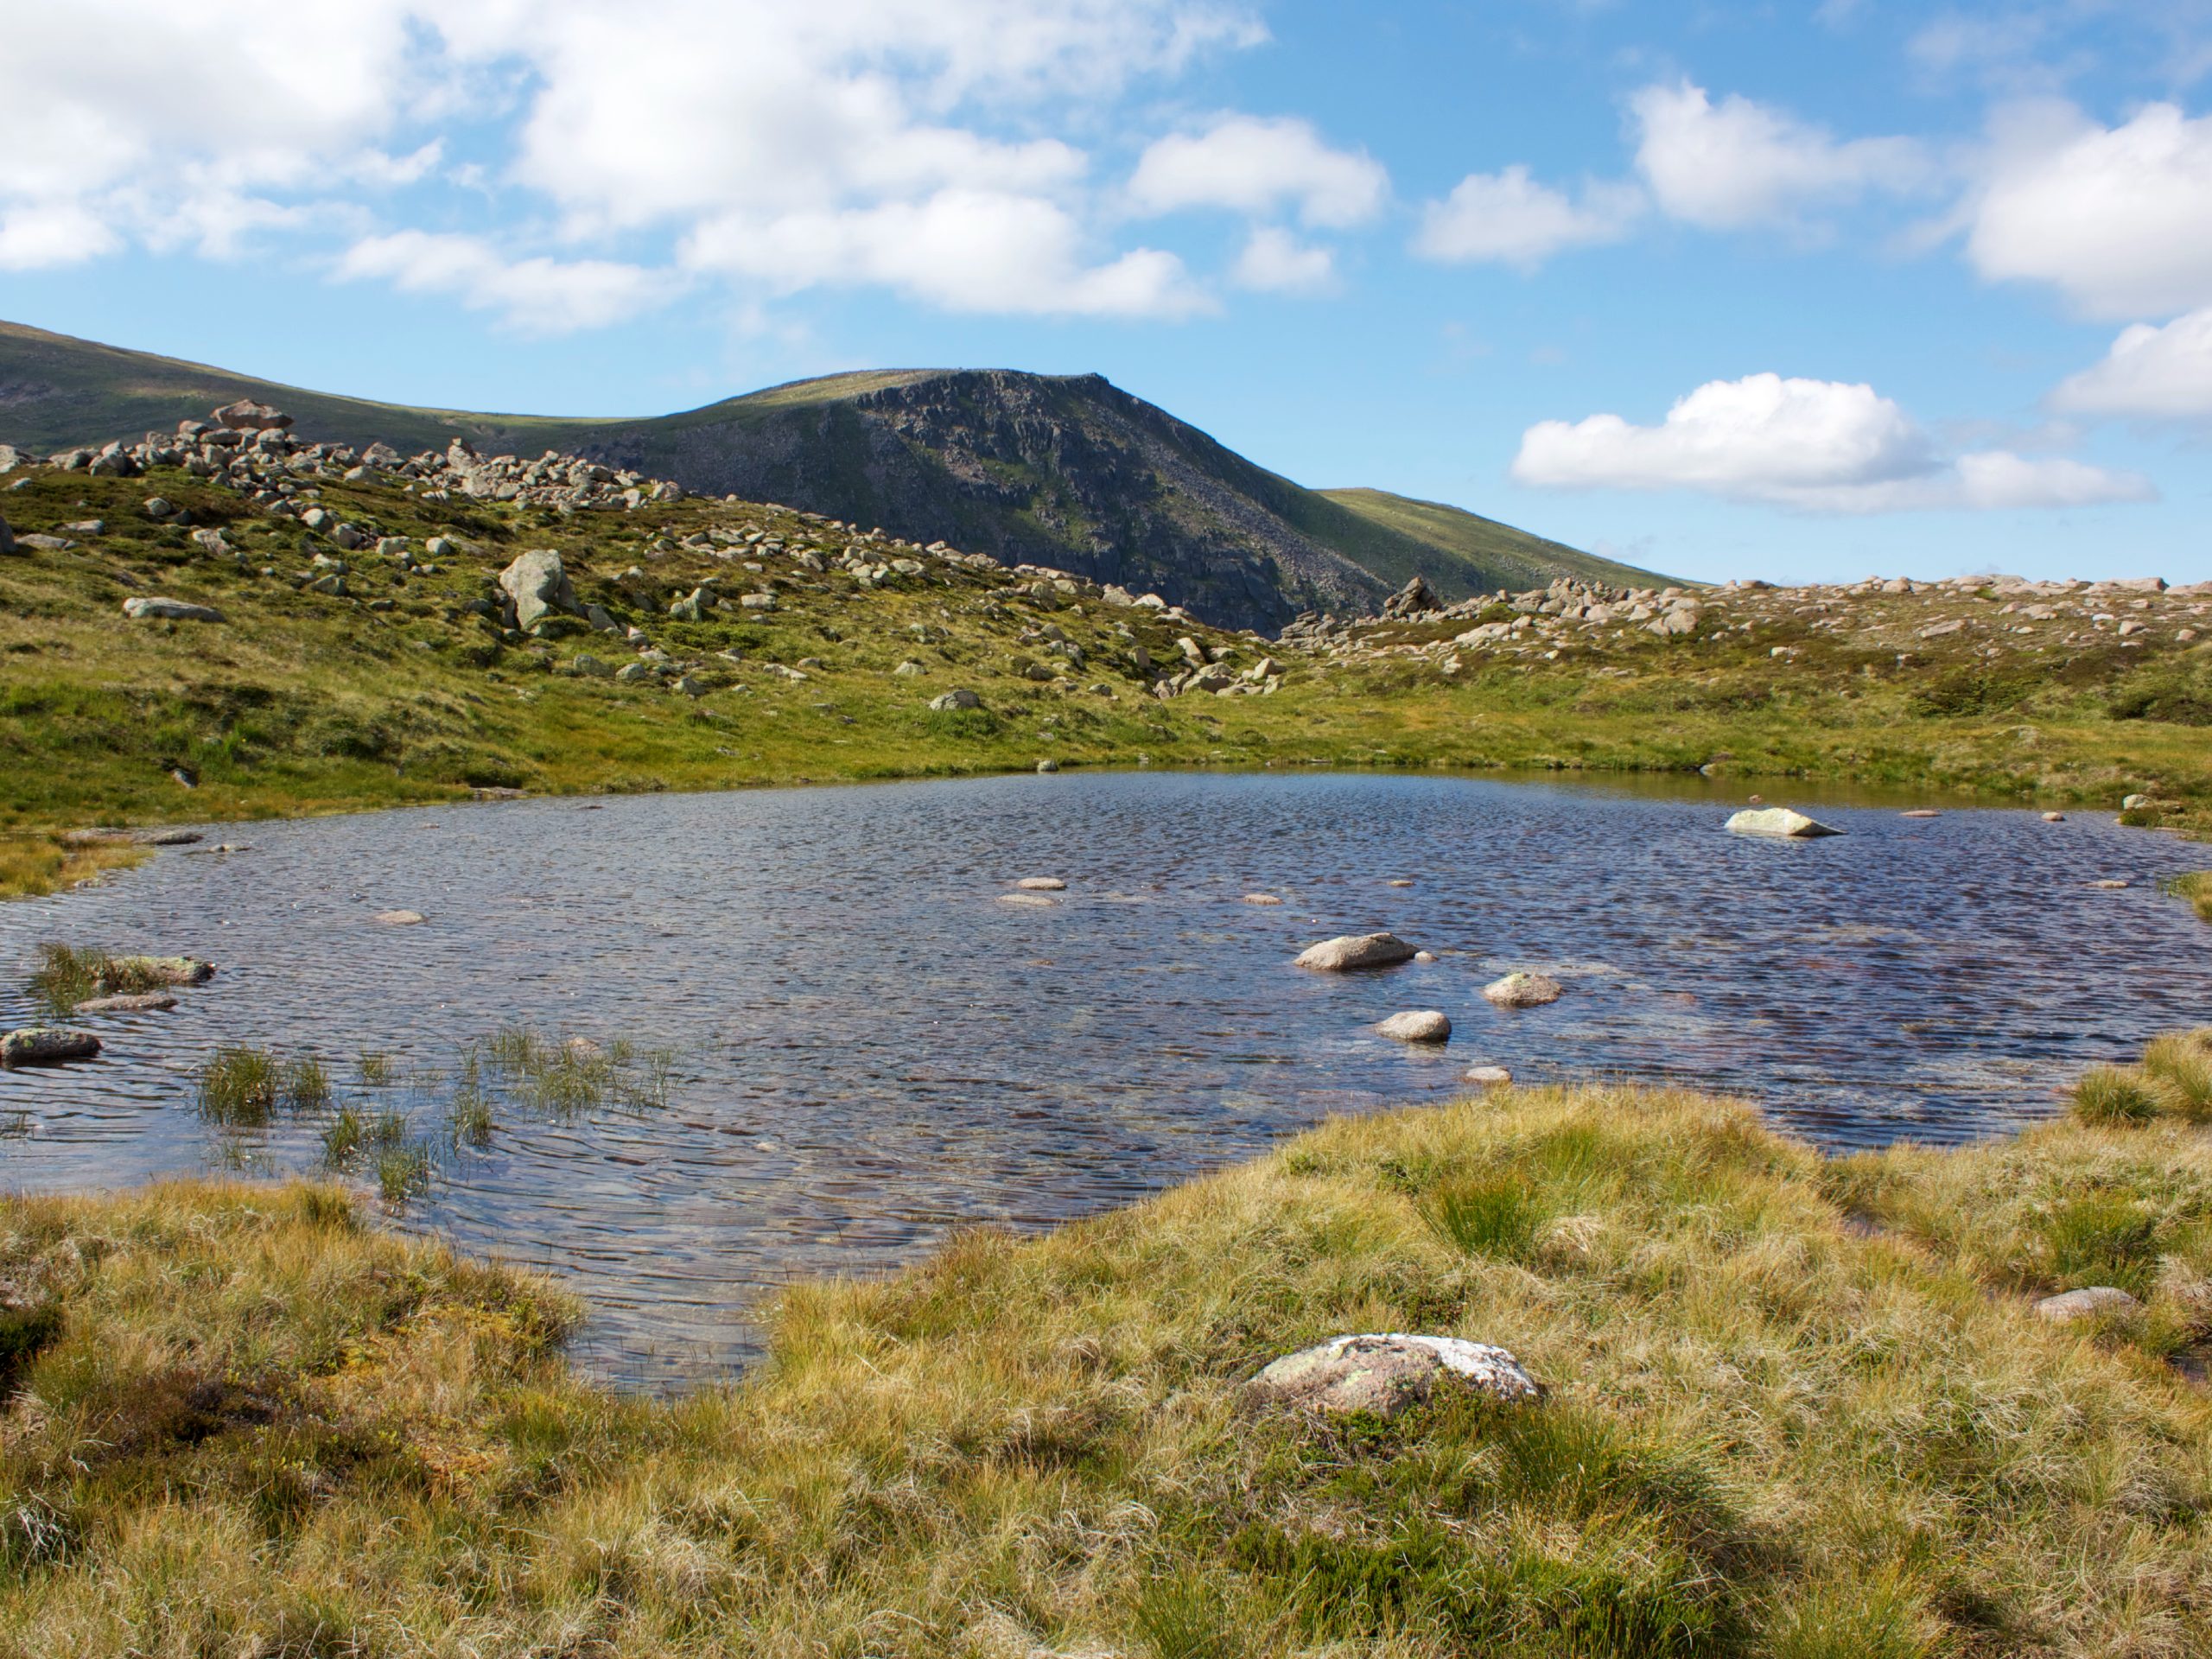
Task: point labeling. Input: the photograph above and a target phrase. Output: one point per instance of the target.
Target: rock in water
(169, 610)
(1523, 991)
(399, 918)
(538, 586)
(1780, 821)
(144, 1003)
(2071, 1305)
(1031, 900)
(1262, 899)
(47, 1045)
(1417, 1026)
(156, 970)
(1041, 884)
(1489, 1076)
(1352, 950)
(1382, 1375)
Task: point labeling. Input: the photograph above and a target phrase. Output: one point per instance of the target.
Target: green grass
(1475, 555)
(304, 703)
(2197, 888)
(248, 1423)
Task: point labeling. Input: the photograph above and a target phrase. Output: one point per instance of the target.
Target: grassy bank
(1796, 1406)
(400, 688)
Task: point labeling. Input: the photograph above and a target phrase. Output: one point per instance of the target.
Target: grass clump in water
(66, 976)
(1766, 1435)
(373, 1070)
(239, 1088)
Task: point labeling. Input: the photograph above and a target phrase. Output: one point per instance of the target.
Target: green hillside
(1485, 553)
(1064, 470)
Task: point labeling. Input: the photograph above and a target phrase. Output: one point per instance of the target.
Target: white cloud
(2119, 220)
(1813, 446)
(1275, 261)
(2150, 373)
(38, 236)
(1253, 166)
(1740, 164)
(1509, 218)
(960, 249)
(538, 295)
(172, 124)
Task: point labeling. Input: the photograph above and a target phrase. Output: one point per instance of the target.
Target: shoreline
(1694, 1291)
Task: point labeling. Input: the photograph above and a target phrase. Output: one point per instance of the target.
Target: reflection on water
(869, 1047)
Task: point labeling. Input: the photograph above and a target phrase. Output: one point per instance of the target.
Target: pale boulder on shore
(156, 609)
(1417, 1026)
(1779, 823)
(1349, 952)
(1384, 1374)
(2070, 1305)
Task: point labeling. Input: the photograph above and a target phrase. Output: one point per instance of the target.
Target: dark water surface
(869, 1047)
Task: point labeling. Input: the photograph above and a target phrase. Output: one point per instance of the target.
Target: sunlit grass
(1765, 1433)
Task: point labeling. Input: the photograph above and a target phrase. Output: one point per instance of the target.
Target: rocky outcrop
(1382, 1375)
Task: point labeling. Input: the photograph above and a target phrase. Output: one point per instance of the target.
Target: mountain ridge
(1064, 470)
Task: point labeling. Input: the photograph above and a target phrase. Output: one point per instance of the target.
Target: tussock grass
(256, 1426)
(67, 976)
(2197, 888)
(33, 865)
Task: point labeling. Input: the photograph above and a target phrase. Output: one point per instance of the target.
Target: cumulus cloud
(959, 250)
(537, 295)
(1509, 218)
(1813, 446)
(2150, 373)
(840, 121)
(1249, 165)
(1738, 162)
(39, 236)
(2119, 220)
(1275, 261)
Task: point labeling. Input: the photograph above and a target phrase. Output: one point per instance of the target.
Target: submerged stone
(47, 1045)
(1348, 951)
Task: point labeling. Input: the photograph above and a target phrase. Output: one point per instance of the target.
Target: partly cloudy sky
(1786, 291)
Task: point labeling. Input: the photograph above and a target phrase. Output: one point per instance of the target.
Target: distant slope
(1488, 555)
(1062, 470)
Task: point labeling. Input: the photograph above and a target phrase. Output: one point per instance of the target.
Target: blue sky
(1790, 290)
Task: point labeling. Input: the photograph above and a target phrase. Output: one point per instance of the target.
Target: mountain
(1068, 471)
(1484, 554)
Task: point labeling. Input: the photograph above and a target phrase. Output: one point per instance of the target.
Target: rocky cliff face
(1069, 471)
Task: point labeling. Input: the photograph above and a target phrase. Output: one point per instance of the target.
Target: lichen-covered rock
(959, 697)
(1417, 1026)
(1519, 990)
(1382, 1375)
(538, 585)
(47, 1045)
(154, 970)
(1780, 821)
(1349, 951)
